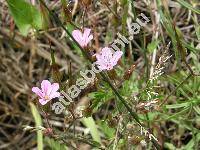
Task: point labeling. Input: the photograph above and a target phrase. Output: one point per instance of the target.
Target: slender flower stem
(52, 55)
(133, 9)
(112, 11)
(47, 121)
(84, 12)
(133, 114)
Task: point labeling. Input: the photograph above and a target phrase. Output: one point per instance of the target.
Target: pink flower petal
(98, 56)
(37, 91)
(107, 53)
(86, 36)
(100, 65)
(77, 34)
(46, 87)
(82, 38)
(55, 87)
(117, 55)
(107, 58)
(109, 66)
(86, 32)
(43, 101)
(47, 91)
(54, 95)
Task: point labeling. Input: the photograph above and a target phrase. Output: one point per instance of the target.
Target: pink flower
(83, 38)
(107, 58)
(47, 92)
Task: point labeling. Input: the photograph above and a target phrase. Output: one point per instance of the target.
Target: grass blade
(38, 123)
(89, 123)
(188, 6)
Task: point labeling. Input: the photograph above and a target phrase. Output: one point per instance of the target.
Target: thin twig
(112, 11)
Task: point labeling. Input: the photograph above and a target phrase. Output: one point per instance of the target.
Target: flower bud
(48, 131)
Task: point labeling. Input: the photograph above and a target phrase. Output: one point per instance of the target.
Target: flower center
(46, 97)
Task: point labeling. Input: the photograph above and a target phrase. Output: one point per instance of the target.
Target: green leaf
(191, 145)
(169, 146)
(186, 104)
(100, 98)
(188, 6)
(55, 145)
(38, 123)
(109, 132)
(25, 15)
(125, 16)
(153, 45)
(197, 109)
(89, 123)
